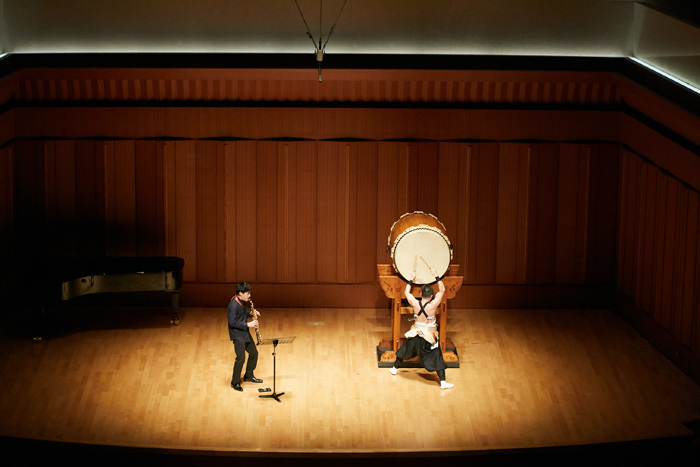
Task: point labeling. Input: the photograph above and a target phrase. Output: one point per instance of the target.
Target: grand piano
(59, 280)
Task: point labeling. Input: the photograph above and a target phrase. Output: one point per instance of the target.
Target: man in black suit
(239, 332)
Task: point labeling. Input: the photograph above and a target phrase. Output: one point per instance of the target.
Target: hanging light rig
(321, 45)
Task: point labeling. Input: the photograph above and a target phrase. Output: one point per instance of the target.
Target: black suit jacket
(238, 315)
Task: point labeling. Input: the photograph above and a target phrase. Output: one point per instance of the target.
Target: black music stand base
(274, 342)
(274, 396)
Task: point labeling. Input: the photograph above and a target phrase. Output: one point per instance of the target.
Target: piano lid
(65, 269)
(41, 279)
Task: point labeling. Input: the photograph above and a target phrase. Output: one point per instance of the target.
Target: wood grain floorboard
(527, 379)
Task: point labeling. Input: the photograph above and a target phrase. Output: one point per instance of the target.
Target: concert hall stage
(121, 385)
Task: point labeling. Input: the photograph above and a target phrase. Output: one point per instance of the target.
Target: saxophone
(256, 316)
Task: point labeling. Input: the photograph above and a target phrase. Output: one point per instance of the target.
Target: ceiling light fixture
(321, 45)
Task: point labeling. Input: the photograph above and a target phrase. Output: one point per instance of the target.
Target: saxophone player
(239, 332)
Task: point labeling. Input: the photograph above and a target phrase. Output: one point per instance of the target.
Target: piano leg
(39, 312)
(176, 300)
(39, 322)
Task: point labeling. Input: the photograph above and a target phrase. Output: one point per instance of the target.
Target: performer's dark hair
(426, 291)
(243, 287)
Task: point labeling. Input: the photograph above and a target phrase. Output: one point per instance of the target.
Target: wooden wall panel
(160, 195)
(208, 211)
(186, 206)
(543, 213)
(135, 198)
(626, 230)
(293, 218)
(99, 197)
(460, 236)
(472, 210)
(483, 212)
(228, 200)
(603, 208)
(327, 237)
(647, 230)
(507, 235)
(346, 212)
(89, 162)
(366, 212)
(658, 245)
(427, 177)
(64, 233)
(686, 286)
(670, 254)
(659, 241)
(169, 199)
(390, 200)
(320, 212)
(70, 196)
(448, 190)
(306, 215)
(147, 209)
(513, 190)
(266, 186)
(408, 177)
(28, 202)
(694, 333)
(286, 203)
(452, 210)
(245, 190)
(682, 214)
(572, 213)
(120, 198)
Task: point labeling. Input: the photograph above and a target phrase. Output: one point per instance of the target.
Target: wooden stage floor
(549, 383)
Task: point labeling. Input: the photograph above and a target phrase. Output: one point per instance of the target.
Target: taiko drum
(418, 242)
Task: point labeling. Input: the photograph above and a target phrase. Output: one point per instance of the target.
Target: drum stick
(426, 263)
(415, 264)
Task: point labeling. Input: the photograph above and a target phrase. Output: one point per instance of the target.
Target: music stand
(274, 341)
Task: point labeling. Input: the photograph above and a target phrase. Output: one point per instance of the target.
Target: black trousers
(430, 358)
(241, 348)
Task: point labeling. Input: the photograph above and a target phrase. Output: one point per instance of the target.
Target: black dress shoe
(237, 387)
(252, 379)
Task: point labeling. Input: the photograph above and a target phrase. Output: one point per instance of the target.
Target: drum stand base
(386, 356)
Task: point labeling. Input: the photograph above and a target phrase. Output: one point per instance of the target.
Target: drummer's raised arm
(407, 292)
(441, 289)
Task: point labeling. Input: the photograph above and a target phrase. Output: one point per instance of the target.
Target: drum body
(418, 242)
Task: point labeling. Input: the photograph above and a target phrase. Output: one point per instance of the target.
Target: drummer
(422, 339)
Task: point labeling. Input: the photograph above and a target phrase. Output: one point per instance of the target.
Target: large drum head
(418, 249)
